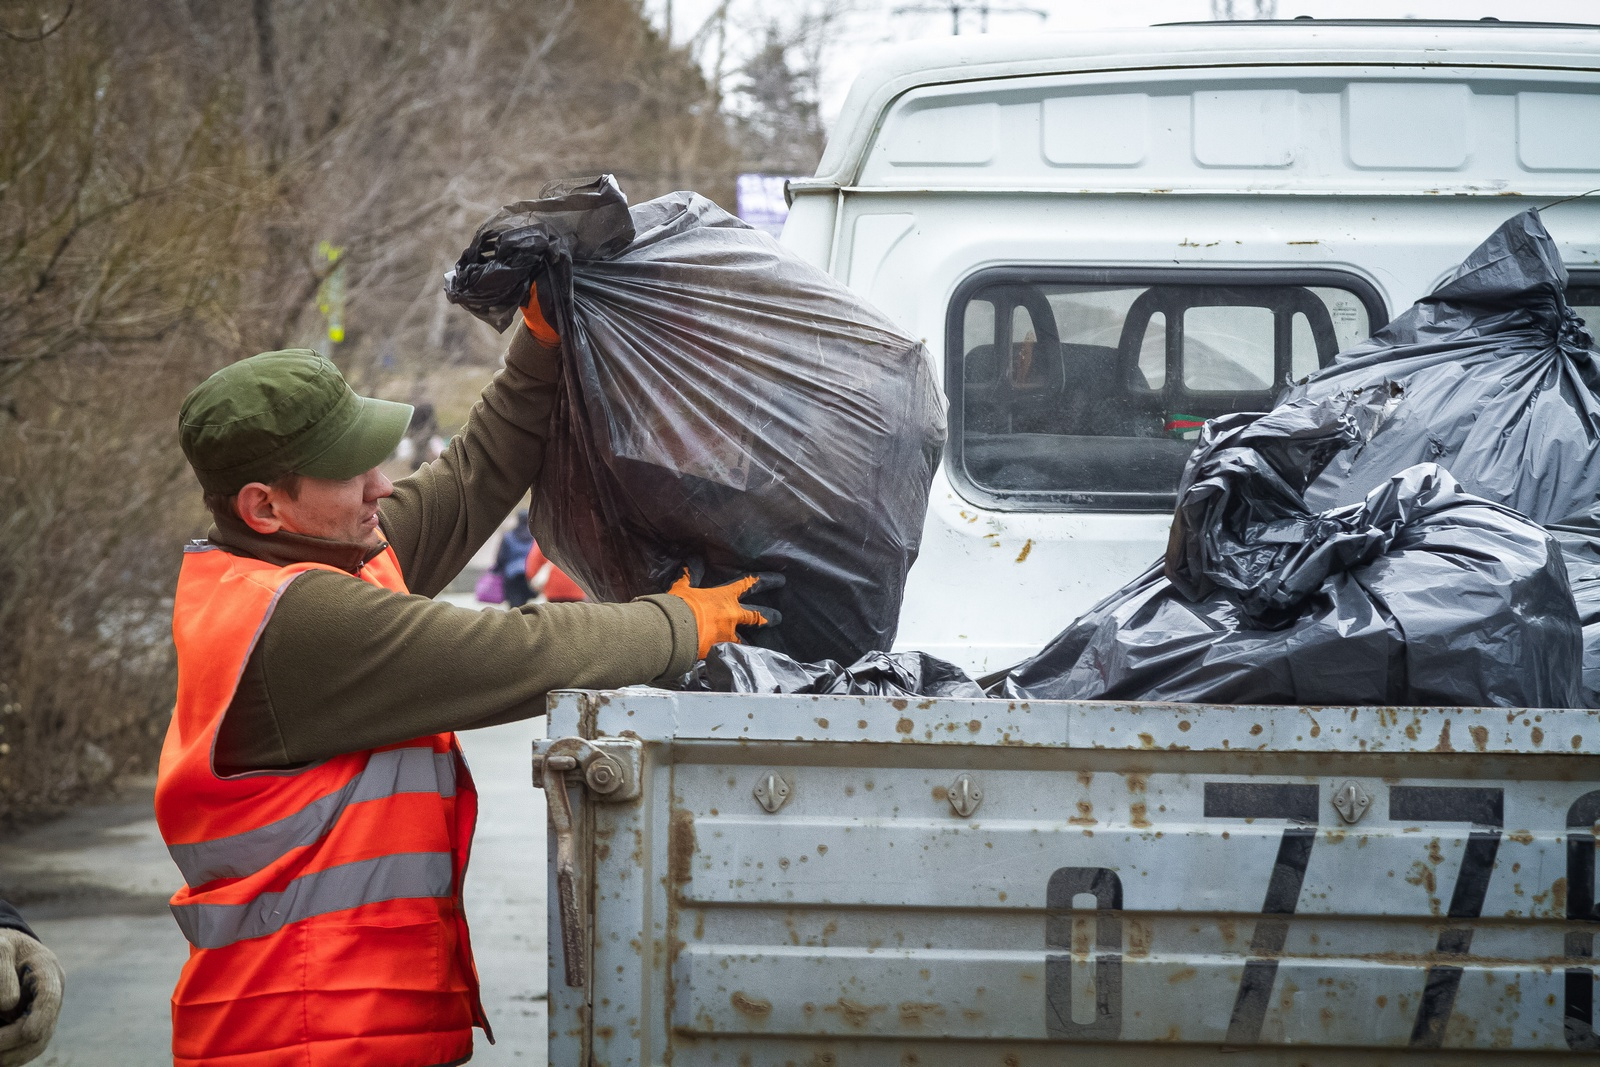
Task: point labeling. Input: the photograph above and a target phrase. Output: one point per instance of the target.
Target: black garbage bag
(731, 668)
(725, 404)
(1497, 379)
(1421, 594)
(1579, 537)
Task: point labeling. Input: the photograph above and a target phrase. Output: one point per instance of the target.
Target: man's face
(335, 510)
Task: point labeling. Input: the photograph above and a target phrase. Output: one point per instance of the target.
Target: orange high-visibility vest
(322, 905)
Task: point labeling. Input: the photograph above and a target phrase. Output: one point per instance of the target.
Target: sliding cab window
(1083, 389)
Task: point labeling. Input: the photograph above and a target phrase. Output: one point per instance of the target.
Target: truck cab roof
(1390, 44)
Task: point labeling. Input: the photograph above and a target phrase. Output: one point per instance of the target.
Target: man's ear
(255, 506)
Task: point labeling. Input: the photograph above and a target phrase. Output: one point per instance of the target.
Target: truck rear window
(1583, 294)
(1074, 388)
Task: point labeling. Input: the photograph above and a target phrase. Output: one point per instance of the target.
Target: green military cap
(280, 413)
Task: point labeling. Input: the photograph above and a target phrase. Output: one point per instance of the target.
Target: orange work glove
(542, 331)
(717, 611)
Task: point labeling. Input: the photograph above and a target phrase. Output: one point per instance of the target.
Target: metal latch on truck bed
(610, 769)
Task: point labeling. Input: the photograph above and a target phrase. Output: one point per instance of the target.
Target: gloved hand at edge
(533, 316)
(717, 611)
(31, 982)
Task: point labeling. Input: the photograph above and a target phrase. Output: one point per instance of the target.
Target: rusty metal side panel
(1135, 883)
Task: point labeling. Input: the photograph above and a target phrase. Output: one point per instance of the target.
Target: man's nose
(378, 485)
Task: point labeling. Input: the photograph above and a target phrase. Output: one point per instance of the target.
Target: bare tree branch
(42, 34)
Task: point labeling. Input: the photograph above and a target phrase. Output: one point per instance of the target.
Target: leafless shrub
(179, 183)
(123, 187)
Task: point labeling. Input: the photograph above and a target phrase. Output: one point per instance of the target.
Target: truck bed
(848, 880)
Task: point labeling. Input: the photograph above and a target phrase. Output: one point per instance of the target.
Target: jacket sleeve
(11, 919)
(343, 666)
(439, 517)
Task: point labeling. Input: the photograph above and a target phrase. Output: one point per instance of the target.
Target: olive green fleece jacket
(343, 665)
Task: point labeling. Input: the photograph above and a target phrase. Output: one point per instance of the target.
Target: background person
(510, 562)
(545, 577)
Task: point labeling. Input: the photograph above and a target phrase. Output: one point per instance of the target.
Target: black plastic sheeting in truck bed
(731, 668)
(725, 405)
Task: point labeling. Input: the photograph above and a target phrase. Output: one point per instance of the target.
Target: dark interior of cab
(1043, 416)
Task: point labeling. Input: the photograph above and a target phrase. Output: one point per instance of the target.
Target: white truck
(1105, 239)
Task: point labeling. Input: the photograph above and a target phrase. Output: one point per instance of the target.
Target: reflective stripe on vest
(350, 885)
(388, 773)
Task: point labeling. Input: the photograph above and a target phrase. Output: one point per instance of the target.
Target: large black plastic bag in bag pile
(1497, 379)
(724, 403)
(1421, 594)
(1580, 544)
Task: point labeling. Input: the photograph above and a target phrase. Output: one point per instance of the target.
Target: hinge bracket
(610, 769)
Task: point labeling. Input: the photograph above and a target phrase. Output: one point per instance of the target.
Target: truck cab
(1107, 238)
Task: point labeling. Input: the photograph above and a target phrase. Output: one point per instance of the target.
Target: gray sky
(871, 24)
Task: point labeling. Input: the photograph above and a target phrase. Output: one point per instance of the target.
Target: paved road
(95, 885)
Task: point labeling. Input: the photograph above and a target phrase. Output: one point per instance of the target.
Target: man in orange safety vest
(311, 790)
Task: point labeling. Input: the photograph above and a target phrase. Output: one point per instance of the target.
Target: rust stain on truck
(680, 846)
(755, 1007)
(853, 1011)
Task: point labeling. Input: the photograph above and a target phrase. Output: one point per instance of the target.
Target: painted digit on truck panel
(1579, 1024)
(1484, 808)
(1106, 887)
(1298, 804)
